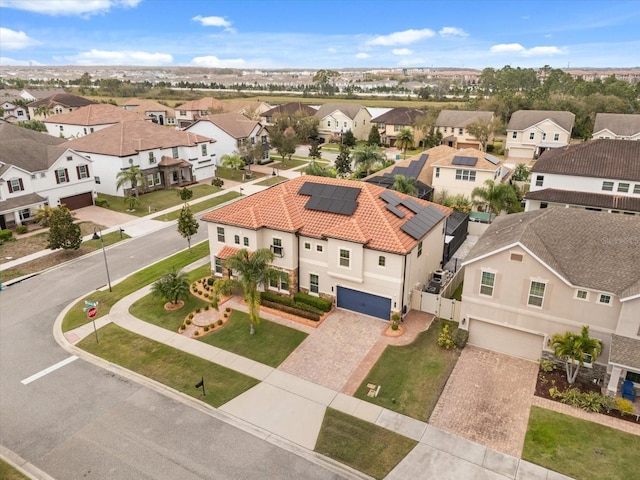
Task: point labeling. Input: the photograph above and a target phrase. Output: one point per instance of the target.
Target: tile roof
(235, 124)
(349, 109)
(290, 108)
(596, 250)
(143, 106)
(64, 99)
(98, 114)
(601, 158)
(227, 252)
(523, 119)
(129, 138)
(22, 201)
(203, 104)
(170, 161)
(461, 118)
(587, 199)
(481, 164)
(625, 351)
(399, 116)
(282, 208)
(29, 150)
(618, 123)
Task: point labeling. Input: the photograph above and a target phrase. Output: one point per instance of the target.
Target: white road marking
(48, 370)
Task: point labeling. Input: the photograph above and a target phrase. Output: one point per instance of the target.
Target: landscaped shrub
(286, 301)
(625, 406)
(206, 328)
(589, 401)
(445, 340)
(6, 235)
(320, 303)
(188, 320)
(212, 326)
(102, 202)
(21, 229)
(206, 308)
(315, 316)
(461, 338)
(547, 366)
(220, 322)
(196, 333)
(190, 316)
(210, 281)
(217, 182)
(228, 309)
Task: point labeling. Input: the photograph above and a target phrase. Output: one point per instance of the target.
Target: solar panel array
(424, 219)
(330, 198)
(410, 171)
(492, 159)
(464, 161)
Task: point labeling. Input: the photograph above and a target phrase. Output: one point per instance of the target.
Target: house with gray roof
(597, 175)
(394, 120)
(288, 110)
(531, 132)
(535, 274)
(620, 126)
(338, 118)
(37, 170)
(56, 104)
(454, 127)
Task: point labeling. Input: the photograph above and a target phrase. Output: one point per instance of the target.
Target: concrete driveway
(487, 400)
(102, 216)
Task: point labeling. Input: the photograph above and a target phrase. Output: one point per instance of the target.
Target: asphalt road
(81, 421)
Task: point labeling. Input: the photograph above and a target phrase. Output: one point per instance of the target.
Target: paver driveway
(330, 354)
(487, 400)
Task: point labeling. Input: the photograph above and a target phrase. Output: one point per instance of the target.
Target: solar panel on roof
(412, 205)
(464, 161)
(395, 211)
(492, 159)
(390, 197)
(422, 222)
(330, 198)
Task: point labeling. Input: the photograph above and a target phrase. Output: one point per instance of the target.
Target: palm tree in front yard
(131, 176)
(496, 197)
(405, 140)
(232, 162)
(573, 348)
(253, 269)
(172, 287)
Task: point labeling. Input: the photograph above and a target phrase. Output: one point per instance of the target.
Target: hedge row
(282, 300)
(321, 304)
(293, 310)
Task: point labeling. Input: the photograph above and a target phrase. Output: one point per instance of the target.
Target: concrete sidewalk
(292, 409)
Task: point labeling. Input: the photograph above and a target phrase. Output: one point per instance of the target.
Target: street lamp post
(106, 265)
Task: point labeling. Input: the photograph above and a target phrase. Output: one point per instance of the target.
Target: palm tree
(367, 156)
(233, 162)
(172, 287)
(253, 269)
(132, 176)
(406, 185)
(496, 197)
(520, 173)
(404, 140)
(44, 110)
(573, 348)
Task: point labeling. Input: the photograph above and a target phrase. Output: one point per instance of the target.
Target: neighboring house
(288, 110)
(453, 124)
(12, 112)
(253, 110)
(358, 244)
(596, 175)
(338, 118)
(536, 274)
(189, 112)
(168, 158)
(89, 119)
(531, 132)
(37, 170)
(463, 170)
(32, 94)
(386, 177)
(57, 104)
(158, 113)
(391, 122)
(617, 125)
(231, 131)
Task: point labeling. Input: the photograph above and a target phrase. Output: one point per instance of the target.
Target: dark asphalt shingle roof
(64, 99)
(587, 199)
(461, 118)
(625, 351)
(22, 201)
(399, 116)
(618, 123)
(32, 151)
(523, 119)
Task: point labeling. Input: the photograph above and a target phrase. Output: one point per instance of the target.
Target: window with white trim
(487, 283)
(544, 136)
(539, 180)
(314, 283)
(623, 187)
(150, 180)
(307, 245)
(220, 231)
(437, 172)
(82, 171)
(276, 247)
(203, 148)
(152, 158)
(582, 295)
(245, 241)
(62, 176)
(236, 239)
(556, 137)
(344, 258)
(319, 248)
(280, 282)
(536, 293)
(218, 266)
(636, 188)
(466, 175)
(532, 135)
(382, 261)
(514, 135)
(15, 185)
(607, 186)
(604, 299)
(97, 180)
(174, 152)
(420, 248)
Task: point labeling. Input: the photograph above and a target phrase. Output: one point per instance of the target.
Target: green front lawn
(580, 449)
(155, 201)
(76, 317)
(200, 206)
(272, 180)
(413, 376)
(237, 175)
(7, 472)
(271, 344)
(164, 364)
(288, 164)
(362, 445)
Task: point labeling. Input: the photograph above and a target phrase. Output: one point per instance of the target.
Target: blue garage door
(366, 303)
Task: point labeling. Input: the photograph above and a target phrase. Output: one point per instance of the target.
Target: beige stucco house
(619, 126)
(453, 124)
(534, 274)
(189, 112)
(531, 132)
(56, 104)
(358, 244)
(338, 118)
(390, 123)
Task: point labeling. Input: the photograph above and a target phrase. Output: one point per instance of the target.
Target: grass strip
(167, 365)
(412, 376)
(580, 449)
(361, 445)
(200, 206)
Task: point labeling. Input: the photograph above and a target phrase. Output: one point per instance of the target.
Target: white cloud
(507, 48)
(401, 51)
(123, 57)
(12, 61)
(68, 7)
(12, 40)
(212, 61)
(402, 38)
(535, 51)
(362, 55)
(452, 32)
(214, 21)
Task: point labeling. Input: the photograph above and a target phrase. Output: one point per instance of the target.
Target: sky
(309, 34)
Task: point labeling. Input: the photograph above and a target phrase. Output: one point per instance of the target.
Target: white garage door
(504, 339)
(518, 152)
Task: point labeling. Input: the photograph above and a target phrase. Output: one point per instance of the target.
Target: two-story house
(287, 110)
(620, 126)
(359, 244)
(454, 124)
(189, 112)
(231, 131)
(596, 175)
(252, 109)
(56, 104)
(535, 274)
(167, 158)
(158, 113)
(12, 112)
(463, 170)
(37, 170)
(531, 132)
(337, 118)
(391, 122)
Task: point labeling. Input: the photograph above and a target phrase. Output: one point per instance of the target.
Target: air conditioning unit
(438, 276)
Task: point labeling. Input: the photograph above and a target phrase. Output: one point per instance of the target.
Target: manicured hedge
(6, 235)
(321, 304)
(293, 310)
